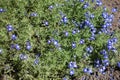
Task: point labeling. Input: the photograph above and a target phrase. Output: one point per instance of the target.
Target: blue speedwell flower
(89, 49)
(33, 14)
(17, 47)
(64, 19)
(72, 72)
(82, 41)
(118, 64)
(9, 28)
(28, 45)
(23, 56)
(36, 61)
(13, 37)
(73, 45)
(0, 51)
(72, 65)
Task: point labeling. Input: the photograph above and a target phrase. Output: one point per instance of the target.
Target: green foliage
(53, 61)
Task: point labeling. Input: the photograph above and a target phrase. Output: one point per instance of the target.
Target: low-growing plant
(54, 39)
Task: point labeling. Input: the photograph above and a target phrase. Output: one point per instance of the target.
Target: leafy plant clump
(55, 39)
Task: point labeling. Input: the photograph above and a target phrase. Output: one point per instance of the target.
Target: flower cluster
(47, 37)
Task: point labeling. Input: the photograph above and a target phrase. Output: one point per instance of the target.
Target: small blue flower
(72, 65)
(55, 42)
(49, 41)
(17, 47)
(103, 52)
(118, 64)
(85, 70)
(99, 2)
(45, 23)
(23, 56)
(33, 14)
(97, 61)
(0, 51)
(114, 40)
(73, 45)
(28, 45)
(92, 16)
(105, 56)
(64, 78)
(64, 19)
(90, 71)
(81, 0)
(2, 10)
(104, 15)
(50, 7)
(72, 72)
(36, 61)
(86, 5)
(104, 8)
(82, 41)
(9, 28)
(13, 37)
(66, 33)
(105, 62)
(114, 10)
(89, 49)
(101, 70)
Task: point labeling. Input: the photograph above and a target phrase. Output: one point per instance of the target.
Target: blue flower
(33, 14)
(105, 56)
(104, 15)
(17, 47)
(85, 70)
(66, 33)
(50, 7)
(9, 28)
(82, 41)
(13, 37)
(81, 0)
(114, 10)
(86, 5)
(36, 61)
(72, 72)
(104, 8)
(93, 30)
(73, 45)
(55, 42)
(103, 52)
(2, 10)
(92, 38)
(114, 40)
(45, 23)
(74, 31)
(92, 16)
(118, 64)
(72, 65)
(64, 78)
(0, 51)
(105, 62)
(64, 19)
(89, 49)
(49, 41)
(99, 2)
(90, 71)
(23, 56)
(28, 45)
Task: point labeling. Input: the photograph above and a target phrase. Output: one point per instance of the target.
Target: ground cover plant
(55, 40)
